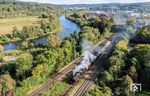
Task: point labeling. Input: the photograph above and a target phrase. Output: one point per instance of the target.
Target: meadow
(7, 24)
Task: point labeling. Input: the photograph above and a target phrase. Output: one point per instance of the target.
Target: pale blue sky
(86, 1)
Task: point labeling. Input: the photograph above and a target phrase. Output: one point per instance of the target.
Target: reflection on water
(68, 27)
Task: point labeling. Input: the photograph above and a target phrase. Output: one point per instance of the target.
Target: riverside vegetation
(36, 64)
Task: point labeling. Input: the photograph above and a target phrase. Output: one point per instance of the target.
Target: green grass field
(7, 24)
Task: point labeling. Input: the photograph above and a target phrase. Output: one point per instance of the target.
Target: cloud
(85, 1)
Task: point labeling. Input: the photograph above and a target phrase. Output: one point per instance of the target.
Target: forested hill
(2, 1)
(112, 5)
(13, 8)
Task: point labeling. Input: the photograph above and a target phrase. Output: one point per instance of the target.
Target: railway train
(87, 59)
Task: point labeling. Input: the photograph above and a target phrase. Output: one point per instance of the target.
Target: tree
(67, 47)
(15, 32)
(107, 91)
(24, 45)
(143, 34)
(53, 41)
(90, 34)
(7, 84)
(40, 70)
(106, 77)
(94, 92)
(131, 20)
(143, 59)
(95, 22)
(24, 64)
(44, 15)
(128, 80)
(122, 45)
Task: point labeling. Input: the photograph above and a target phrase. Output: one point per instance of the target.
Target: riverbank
(65, 29)
(48, 25)
(57, 30)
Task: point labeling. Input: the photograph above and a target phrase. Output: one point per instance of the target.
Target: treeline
(47, 25)
(94, 28)
(13, 8)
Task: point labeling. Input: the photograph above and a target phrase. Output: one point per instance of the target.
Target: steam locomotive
(87, 59)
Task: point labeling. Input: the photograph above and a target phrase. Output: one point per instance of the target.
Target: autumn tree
(7, 84)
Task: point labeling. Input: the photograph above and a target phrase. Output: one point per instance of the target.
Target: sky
(86, 1)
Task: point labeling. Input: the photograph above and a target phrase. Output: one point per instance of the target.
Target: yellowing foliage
(40, 69)
(143, 46)
(123, 44)
(7, 82)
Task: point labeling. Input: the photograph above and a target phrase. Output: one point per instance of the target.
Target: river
(68, 27)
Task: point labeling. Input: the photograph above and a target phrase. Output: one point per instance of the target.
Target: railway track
(95, 72)
(56, 77)
(89, 80)
(59, 76)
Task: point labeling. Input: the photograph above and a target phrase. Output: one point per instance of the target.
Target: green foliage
(131, 20)
(122, 45)
(6, 83)
(117, 59)
(56, 90)
(113, 80)
(24, 64)
(28, 84)
(15, 31)
(92, 28)
(107, 77)
(142, 53)
(10, 52)
(143, 35)
(103, 24)
(94, 92)
(47, 25)
(9, 8)
(90, 34)
(46, 63)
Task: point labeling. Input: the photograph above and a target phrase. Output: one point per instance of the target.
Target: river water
(68, 27)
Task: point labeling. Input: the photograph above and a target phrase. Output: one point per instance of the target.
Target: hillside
(112, 5)
(12, 8)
